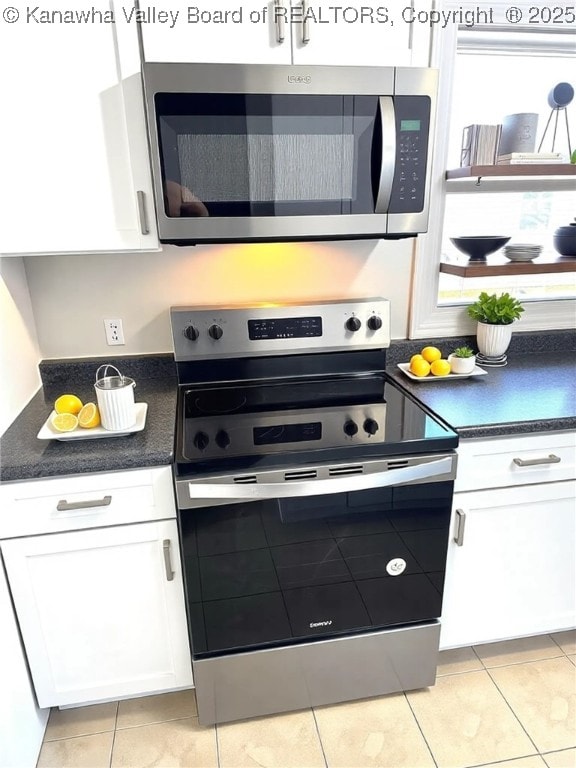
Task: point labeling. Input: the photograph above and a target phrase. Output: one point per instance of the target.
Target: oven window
(274, 572)
(266, 155)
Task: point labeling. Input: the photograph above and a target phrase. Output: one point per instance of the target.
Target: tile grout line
(429, 748)
(523, 661)
(558, 644)
(217, 744)
(157, 722)
(512, 710)
(114, 735)
(319, 736)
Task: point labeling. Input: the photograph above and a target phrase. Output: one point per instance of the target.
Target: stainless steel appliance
(314, 503)
(252, 152)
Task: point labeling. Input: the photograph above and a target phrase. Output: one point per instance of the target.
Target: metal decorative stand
(558, 99)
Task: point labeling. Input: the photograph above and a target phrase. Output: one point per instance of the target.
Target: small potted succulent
(462, 360)
(495, 316)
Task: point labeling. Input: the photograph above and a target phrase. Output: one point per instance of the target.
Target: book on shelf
(527, 158)
(480, 144)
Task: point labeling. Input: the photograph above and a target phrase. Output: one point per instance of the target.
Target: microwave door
(270, 166)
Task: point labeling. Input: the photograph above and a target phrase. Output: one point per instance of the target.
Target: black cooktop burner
(233, 426)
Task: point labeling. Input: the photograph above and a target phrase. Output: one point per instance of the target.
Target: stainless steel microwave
(268, 153)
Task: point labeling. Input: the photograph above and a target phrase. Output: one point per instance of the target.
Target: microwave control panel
(412, 132)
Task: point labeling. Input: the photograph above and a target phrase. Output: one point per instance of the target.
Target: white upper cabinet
(227, 32)
(281, 32)
(70, 180)
(351, 34)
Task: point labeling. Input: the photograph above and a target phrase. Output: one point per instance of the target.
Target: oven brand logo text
(320, 623)
(299, 79)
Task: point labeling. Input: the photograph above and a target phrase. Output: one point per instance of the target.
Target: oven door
(298, 556)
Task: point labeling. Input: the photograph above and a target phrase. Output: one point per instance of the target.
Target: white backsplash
(71, 295)
(19, 352)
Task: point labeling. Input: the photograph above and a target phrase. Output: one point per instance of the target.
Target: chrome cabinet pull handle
(551, 459)
(460, 524)
(167, 560)
(65, 506)
(142, 215)
(280, 20)
(305, 23)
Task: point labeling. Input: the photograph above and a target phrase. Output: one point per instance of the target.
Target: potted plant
(495, 316)
(462, 360)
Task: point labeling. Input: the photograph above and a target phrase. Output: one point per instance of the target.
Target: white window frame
(428, 319)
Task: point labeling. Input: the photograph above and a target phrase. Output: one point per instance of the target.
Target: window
(487, 73)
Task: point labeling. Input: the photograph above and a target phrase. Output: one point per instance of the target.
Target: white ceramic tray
(405, 368)
(47, 432)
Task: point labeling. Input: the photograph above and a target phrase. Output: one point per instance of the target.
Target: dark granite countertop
(535, 392)
(532, 393)
(23, 456)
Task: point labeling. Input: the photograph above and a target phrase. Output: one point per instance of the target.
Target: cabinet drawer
(85, 501)
(507, 461)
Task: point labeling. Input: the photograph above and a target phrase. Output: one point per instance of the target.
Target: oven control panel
(220, 436)
(201, 333)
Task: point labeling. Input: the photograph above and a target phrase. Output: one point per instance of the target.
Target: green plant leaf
(495, 310)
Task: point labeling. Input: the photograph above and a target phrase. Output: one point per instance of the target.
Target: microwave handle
(259, 491)
(388, 154)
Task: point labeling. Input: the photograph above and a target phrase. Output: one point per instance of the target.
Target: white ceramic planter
(462, 364)
(493, 340)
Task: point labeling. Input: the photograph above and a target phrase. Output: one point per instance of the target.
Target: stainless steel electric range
(314, 504)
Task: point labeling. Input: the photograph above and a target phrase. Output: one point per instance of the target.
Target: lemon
(89, 416)
(64, 422)
(440, 368)
(68, 404)
(430, 354)
(420, 367)
(416, 357)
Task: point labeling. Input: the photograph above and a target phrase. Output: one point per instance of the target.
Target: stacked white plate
(522, 251)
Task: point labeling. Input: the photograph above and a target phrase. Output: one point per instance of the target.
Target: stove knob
(215, 332)
(370, 426)
(374, 323)
(191, 332)
(353, 324)
(222, 439)
(350, 428)
(201, 440)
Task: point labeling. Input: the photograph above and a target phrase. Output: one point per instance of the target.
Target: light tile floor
(511, 705)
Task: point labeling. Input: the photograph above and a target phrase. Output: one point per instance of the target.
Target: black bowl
(478, 247)
(565, 240)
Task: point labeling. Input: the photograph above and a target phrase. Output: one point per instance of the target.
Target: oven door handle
(286, 490)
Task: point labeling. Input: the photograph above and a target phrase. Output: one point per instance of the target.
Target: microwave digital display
(410, 125)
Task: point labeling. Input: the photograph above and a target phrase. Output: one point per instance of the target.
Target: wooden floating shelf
(532, 169)
(500, 265)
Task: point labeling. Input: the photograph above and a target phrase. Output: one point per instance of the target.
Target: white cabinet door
(101, 612)
(513, 574)
(355, 34)
(22, 724)
(281, 32)
(66, 168)
(226, 32)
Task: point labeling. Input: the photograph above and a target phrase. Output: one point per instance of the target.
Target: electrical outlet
(114, 332)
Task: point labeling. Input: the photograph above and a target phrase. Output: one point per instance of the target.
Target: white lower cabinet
(512, 550)
(101, 610)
